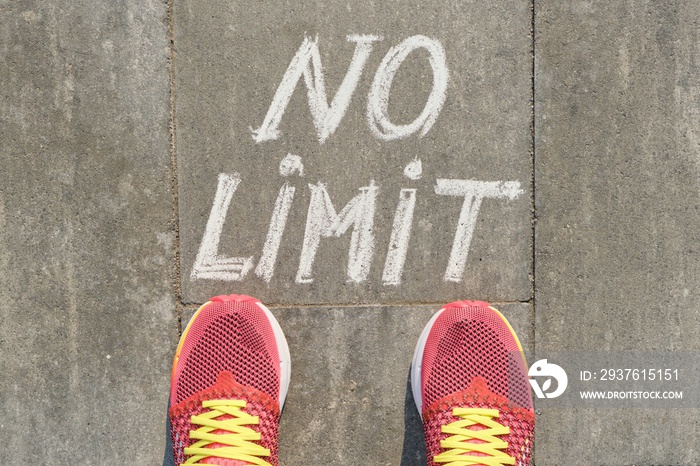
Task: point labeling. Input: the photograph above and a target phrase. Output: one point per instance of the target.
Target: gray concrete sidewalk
(155, 154)
(617, 210)
(87, 238)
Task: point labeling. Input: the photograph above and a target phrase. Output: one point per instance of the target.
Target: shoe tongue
(224, 462)
(479, 385)
(225, 383)
(225, 387)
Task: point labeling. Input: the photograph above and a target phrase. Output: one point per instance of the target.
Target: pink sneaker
(469, 381)
(229, 381)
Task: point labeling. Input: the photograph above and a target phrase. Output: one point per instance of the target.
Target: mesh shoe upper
(230, 350)
(469, 357)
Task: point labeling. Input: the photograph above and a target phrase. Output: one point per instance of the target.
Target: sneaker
(229, 381)
(469, 382)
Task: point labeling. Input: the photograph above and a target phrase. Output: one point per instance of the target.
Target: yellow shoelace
(238, 442)
(459, 444)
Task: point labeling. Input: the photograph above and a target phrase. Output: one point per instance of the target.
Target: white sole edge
(417, 363)
(283, 352)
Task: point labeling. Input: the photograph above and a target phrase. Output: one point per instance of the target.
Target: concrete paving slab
(354, 152)
(350, 399)
(617, 262)
(331, 204)
(86, 232)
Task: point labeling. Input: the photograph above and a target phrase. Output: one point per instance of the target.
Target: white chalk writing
(323, 221)
(378, 100)
(209, 264)
(326, 117)
(473, 192)
(307, 63)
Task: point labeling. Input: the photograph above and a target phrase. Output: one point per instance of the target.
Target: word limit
(323, 220)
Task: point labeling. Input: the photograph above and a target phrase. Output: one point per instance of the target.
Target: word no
(327, 117)
(324, 221)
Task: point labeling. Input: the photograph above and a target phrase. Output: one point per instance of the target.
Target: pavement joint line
(533, 157)
(195, 306)
(177, 283)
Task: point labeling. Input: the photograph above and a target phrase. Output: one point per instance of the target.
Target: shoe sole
(417, 362)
